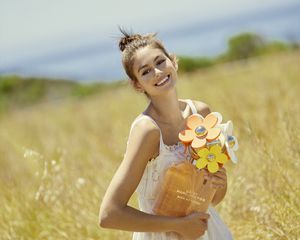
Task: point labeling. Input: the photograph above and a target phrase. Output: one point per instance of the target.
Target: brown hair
(130, 43)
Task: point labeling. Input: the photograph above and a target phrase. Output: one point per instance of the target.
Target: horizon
(89, 59)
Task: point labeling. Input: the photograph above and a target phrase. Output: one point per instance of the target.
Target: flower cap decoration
(209, 142)
(211, 158)
(200, 130)
(229, 141)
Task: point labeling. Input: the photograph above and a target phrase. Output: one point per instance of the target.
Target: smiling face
(154, 71)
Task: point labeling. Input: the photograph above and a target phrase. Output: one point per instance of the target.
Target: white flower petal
(236, 145)
(219, 116)
(229, 128)
(231, 153)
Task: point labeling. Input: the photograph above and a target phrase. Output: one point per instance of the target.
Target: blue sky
(35, 28)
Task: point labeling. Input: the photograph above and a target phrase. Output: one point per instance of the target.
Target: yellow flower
(211, 158)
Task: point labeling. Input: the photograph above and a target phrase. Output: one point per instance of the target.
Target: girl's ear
(174, 60)
(136, 85)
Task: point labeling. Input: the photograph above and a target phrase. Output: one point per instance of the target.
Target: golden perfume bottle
(184, 190)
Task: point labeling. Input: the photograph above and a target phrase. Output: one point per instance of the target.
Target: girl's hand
(219, 179)
(192, 226)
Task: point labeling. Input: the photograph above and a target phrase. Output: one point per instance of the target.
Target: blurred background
(78, 39)
(66, 107)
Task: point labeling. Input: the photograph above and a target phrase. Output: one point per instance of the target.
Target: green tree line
(241, 46)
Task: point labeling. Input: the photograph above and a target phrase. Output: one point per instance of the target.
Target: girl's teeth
(162, 81)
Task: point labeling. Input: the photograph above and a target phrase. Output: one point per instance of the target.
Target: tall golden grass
(56, 161)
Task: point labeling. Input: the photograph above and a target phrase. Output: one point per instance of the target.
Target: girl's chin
(167, 88)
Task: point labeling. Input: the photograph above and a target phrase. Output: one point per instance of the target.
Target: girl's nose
(157, 71)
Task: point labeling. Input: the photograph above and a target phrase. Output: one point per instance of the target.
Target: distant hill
(16, 91)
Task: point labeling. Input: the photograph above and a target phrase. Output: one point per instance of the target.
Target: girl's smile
(163, 81)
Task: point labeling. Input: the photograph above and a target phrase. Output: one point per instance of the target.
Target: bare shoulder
(143, 141)
(202, 108)
(144, 128)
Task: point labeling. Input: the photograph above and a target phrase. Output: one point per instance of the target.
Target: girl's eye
(145, 72)
(161, 61)
(148, 70)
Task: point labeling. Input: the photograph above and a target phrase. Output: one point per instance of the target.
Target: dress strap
(192, 106)
(161, 143)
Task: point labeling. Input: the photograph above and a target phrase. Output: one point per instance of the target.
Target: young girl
(152, 146)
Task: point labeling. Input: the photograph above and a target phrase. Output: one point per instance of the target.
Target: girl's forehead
(146, 54)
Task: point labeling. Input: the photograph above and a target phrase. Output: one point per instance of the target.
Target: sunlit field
(57, 159)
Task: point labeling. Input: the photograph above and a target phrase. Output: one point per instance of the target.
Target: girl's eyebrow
(147, 64)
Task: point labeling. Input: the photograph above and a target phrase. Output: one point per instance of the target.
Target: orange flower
(200, 130)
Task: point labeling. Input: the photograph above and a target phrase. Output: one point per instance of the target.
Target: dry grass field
(57, 159)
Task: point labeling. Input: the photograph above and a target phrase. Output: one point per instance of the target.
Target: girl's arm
(143, 144)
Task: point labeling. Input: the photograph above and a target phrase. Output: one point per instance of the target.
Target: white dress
(151, 180)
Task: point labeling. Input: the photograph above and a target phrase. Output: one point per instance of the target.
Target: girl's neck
(166, 109)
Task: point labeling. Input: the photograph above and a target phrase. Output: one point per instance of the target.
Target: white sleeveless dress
(151, 180)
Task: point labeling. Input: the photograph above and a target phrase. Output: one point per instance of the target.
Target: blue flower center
(231, 141)
(211, 157)
(200, 131)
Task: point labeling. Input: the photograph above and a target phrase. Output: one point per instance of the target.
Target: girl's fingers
(218, 185)
(221, 171)
(220, 175)
(218, 181)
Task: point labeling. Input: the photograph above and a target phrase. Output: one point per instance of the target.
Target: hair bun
(127, 38)
(124, 41)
